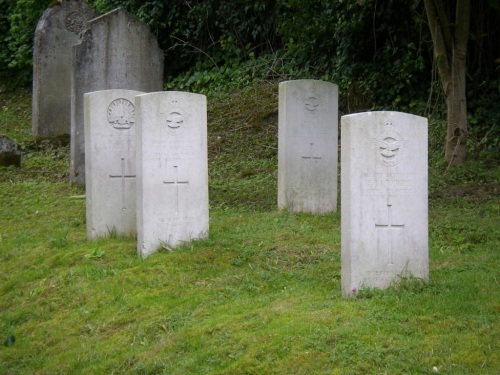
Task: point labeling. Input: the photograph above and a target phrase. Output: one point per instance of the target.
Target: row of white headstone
(146, 166)
(143, 156)
(147, 174)
(384, 229)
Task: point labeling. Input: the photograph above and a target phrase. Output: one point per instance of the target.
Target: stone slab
(9, 153)
(172, 169)
(56, 32)
(384, 208)
(110, 153)
(308, 146)
(118, 51)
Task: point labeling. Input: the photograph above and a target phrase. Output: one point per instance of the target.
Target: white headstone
(110, 152)
(172, 169)
(308, 146)
(118, 51)
(383, 199)
(56, 32)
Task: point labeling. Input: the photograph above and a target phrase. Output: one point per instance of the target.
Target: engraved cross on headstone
(123, 176)
(176, 183)
(390, 226)
(311, 156)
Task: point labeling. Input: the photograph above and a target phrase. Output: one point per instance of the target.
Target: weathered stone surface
(9, 154)
(57, 31)
(308, 146)
(117, 51)
(110, 153)
(172, 169)
(383, 199)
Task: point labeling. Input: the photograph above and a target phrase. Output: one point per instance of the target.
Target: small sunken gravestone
(9, 154)
(110, 145)
(117, 51)
(56, 32)
(172, 169)
(383, 199)
(308, 146)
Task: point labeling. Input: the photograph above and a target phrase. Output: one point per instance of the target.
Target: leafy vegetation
(261, 295)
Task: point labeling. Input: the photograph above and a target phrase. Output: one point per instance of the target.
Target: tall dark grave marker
(57, 31)
(117, 51)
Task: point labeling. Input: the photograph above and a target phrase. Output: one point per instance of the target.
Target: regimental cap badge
(390, 145)
(121, 114)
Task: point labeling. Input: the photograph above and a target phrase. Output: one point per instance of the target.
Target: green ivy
(20, 18)
(373, 50)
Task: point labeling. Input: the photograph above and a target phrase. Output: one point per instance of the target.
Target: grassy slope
(260, 296)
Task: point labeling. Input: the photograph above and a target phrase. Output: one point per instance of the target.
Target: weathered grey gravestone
(308, 146)
(9, 154)
(110, 160)
(117, 51)
(172, 169)
(383, 199)
(56, 32)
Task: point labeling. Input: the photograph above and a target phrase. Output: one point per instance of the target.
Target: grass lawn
(261, 295)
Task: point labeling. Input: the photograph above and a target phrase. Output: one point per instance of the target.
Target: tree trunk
(450, 51)
(456, 114)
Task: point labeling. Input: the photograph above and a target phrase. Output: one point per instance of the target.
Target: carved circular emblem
(75, 22)
(311, 102)
(175, 120)
(121, 114)
(390, 145)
